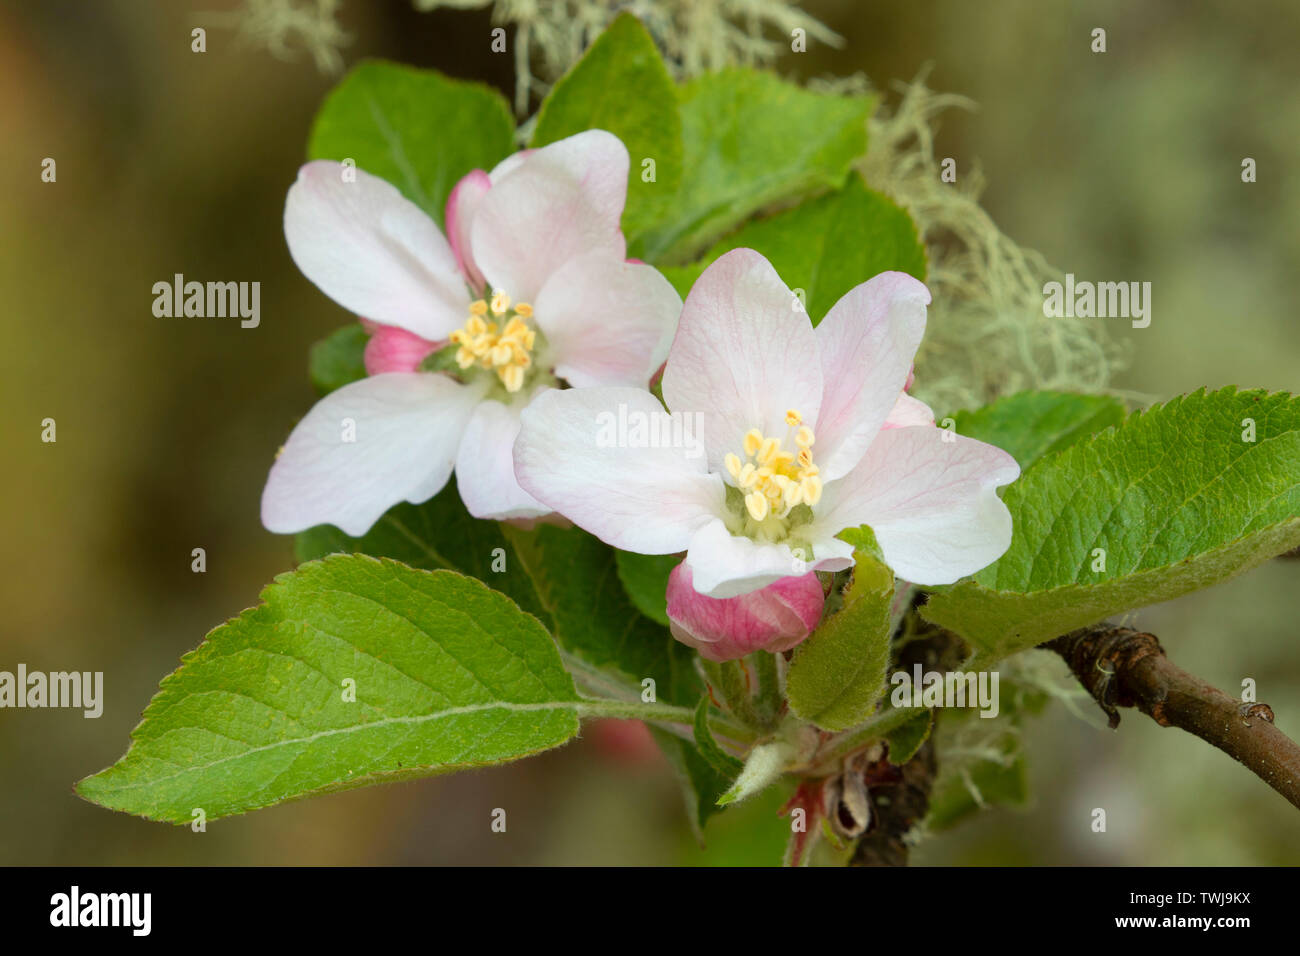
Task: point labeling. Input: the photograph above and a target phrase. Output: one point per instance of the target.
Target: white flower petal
(607, 321)
(462, 204)
(558, 202)
(743, 354)
(485, 465)
(373, 251)
(908, 412)
(508, 165)
(407, 427)
(724, 565)
(866, 342)
(572, 455)
(932, 503)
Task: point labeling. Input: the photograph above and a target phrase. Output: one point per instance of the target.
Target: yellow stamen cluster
(483, 341)
(775, 480)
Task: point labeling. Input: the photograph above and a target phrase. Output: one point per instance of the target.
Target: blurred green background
(1123, 165)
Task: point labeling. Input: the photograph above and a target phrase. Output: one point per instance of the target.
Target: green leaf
(751, 140)
(339, 358)
(645, 578)
(826, 246)
(439, 534)
(702, 786)
(448, 674)
(1173, 500)
(717, 758)
(838, 673)
(1030, 425)
(905, 741)
(621, 85)
(415, 128)
(576, 579)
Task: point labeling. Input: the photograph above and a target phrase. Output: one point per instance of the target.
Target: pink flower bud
(775, 618)
(392, 349)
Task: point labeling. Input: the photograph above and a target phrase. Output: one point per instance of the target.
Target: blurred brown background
(1117, 166)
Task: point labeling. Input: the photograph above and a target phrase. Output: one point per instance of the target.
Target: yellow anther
(775, 479)
(512, 377)
(811, 489)
(506, 351)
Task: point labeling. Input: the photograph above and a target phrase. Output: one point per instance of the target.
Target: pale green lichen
(695, 35)
(289, 27)
(987, 334)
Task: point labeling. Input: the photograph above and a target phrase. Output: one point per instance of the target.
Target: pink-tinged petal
(607, 322)
(580, 451)
(366, 447)
(774, 618)
(461, 206)
(831, 554)
(744, 354)
(725, 565)
(485, 465)
(373, 251)
(559, 202)
(393, 349)
(508, 165)
(909, 412)
(930, 496)
(867, 341)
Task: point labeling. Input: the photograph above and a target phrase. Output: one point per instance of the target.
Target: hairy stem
(1121, 667)
(659, 714)
(768, 701)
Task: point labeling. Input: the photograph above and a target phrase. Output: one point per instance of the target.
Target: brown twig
(1121, 667)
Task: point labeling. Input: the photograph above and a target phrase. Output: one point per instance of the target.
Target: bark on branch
(1121, 667)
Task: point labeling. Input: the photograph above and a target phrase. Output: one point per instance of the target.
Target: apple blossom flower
(795, 445)
(773, 618)
(528, 291)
